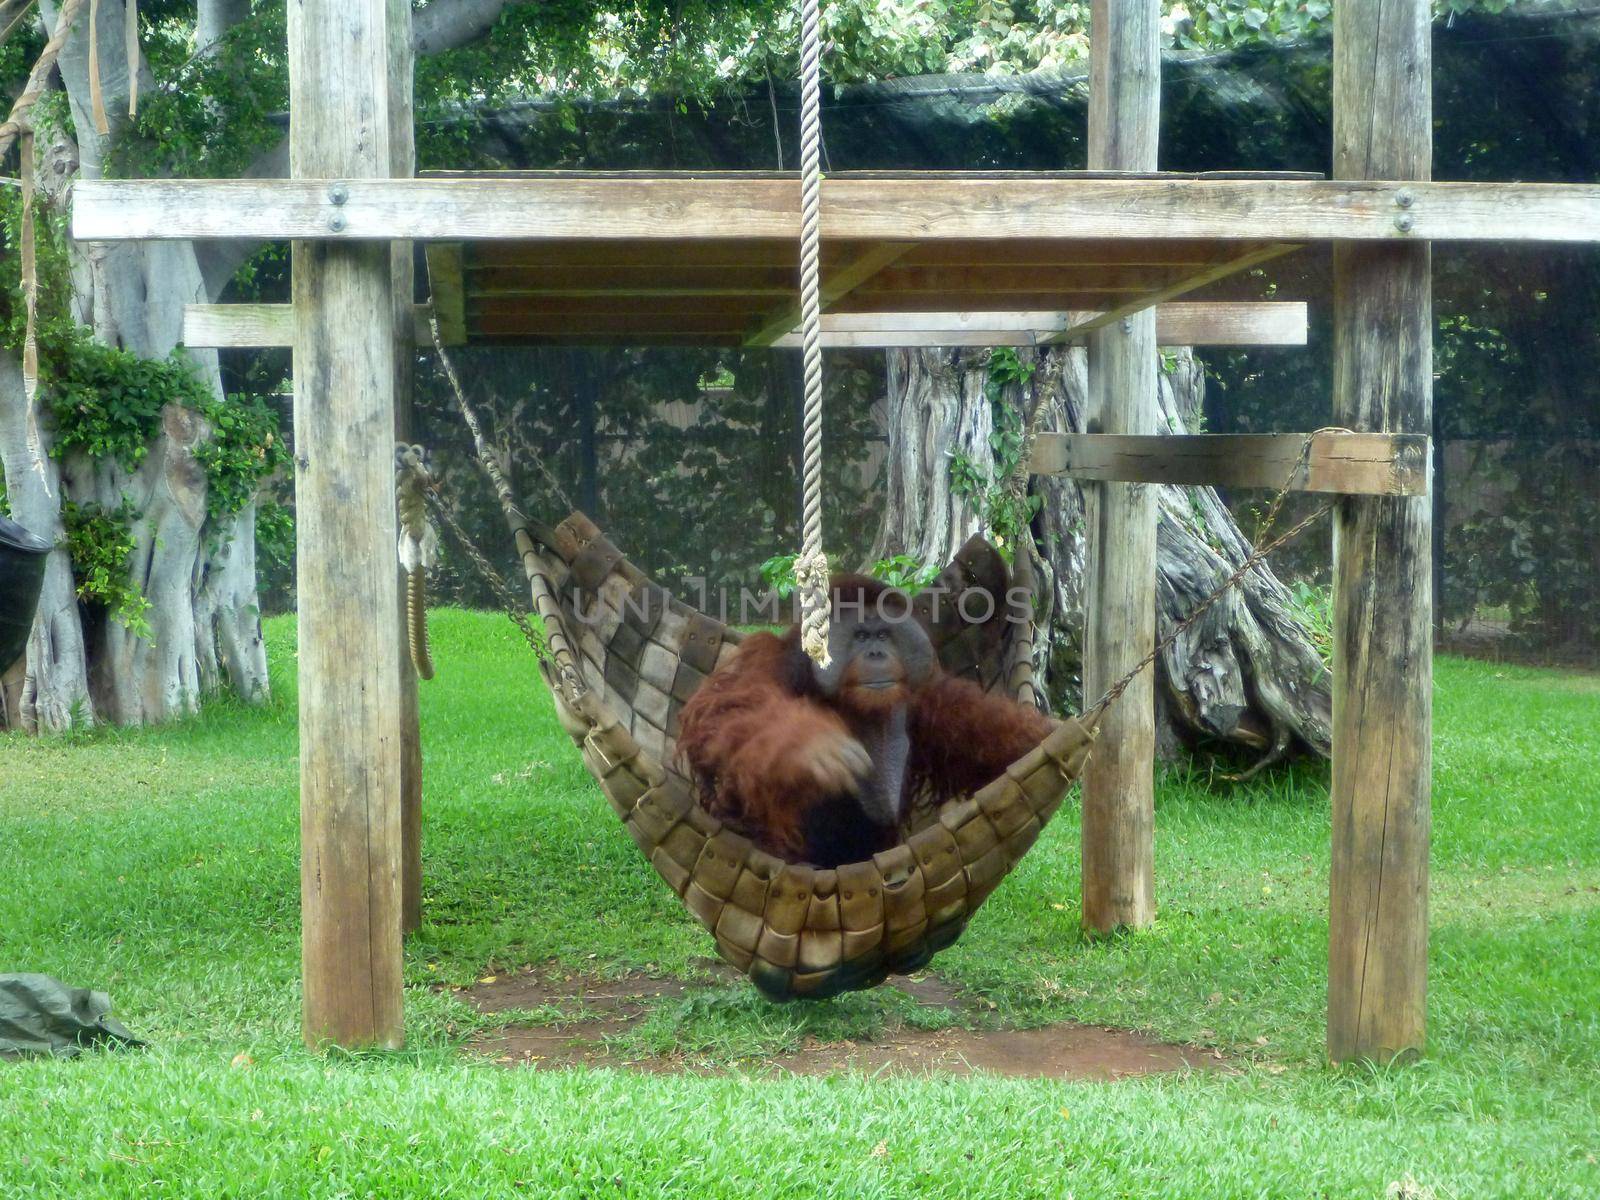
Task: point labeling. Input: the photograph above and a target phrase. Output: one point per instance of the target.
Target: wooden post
(1119, 784)
(1383, 604)
(403, 164)
(344, 417)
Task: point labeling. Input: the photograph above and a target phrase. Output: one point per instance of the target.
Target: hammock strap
(811, 568)
(549, 645)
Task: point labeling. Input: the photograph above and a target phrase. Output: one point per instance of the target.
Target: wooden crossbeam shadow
(1349, 464)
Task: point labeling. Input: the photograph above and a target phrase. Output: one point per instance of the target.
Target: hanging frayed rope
(12, 127)
(811, 567)
(419, 550)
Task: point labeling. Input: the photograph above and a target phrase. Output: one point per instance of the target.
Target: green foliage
(905, 573)
(107, 402)
(210, 115)
(898, 571)
(1313, 608)
(777, 573)
(244, 448)
(99, 541)
(275, 533)
(1006, 516)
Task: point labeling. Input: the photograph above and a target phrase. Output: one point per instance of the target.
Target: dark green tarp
(22, 562)
(41, 1015)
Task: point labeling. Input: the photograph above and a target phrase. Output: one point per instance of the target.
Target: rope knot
(811, 576)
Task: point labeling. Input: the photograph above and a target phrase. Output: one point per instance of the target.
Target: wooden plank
(677, 320)
(1270, 323)
(1178, 287)
(238, 325)
(1368, 464)
(1267, 323)
(1383, 603)
(655, 280)
(1118, 817)
(492, 334)
(261, 326)
(982, 280)
(751, 254)
(349, 664)
(869, 301)
(448, 294)
(836, 284)
(941, 208)
(403, 268)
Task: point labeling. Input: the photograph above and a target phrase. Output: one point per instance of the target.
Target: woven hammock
(624, 657)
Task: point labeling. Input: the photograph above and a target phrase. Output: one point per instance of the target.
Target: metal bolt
(338, 193)
(1404, 198)
(336, 224)
(1404, 222)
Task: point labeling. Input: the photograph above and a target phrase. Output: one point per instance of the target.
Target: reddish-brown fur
(748, 734)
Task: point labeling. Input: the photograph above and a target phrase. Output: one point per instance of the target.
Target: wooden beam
(652, 280)
(1118, 819)
(1382, 571)
(262, 326)
(836, 284)
(939, 208)
(1349, 464)
(447, 293)
(757, 254)
(403, 267)
(1178, 287)
(349, 653)
(1268, 323)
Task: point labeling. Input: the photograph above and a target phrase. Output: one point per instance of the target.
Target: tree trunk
(53, 689)
(1245, 675)
(198, 574)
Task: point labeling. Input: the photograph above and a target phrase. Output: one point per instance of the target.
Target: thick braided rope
(811, 568)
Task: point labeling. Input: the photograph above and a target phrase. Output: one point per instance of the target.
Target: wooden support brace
(447, 293)
(1270, 323)
(1350, 464)
(936, 208)
(836, 284)
(264, 326)
(1180, 287)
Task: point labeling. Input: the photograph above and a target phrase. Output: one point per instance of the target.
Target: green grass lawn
(161, 866)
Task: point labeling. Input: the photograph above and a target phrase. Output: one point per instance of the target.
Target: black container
(22, 560)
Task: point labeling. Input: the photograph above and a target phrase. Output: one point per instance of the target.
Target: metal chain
(1115, 691)
(503, 592)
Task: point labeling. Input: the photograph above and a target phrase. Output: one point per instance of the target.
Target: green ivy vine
(1007, 517)
(99, 541)
(106, 404)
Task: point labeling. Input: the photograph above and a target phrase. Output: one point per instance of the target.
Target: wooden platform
(744, 291)
(711, 257)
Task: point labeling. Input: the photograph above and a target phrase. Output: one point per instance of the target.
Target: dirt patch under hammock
(605, 1009)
